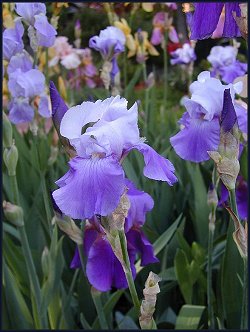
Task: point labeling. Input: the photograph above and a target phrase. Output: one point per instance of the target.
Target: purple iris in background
(34, 14)
(12, 40)
(25, 83)
(241, 196)
(103, 269)
(110, 42)
(200, 123)
(204, 20)
(224, 63)
(183, 55)
(102, 133)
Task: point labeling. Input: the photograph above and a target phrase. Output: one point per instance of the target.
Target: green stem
(128, 272)
(146, 122)
(165, 61)
(209, 271)
(47, 65)
(44, 188)
(244, 310)
(233, 202)
(96, 296)
(14, 187)
(125, 68)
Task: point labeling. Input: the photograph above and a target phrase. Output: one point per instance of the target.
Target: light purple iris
(110, 42)
(95, 181)
(162, 22)
(25, 83)
(224, 63)
(183, 55)
(103, 268)
(34, 14)
(12, 40)
(200, 123)
(205, 18)
(241, 196)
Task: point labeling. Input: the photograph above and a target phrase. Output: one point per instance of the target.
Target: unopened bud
(7, 132)
(212, 198)
(13, 213)
(148, 304)
(33, 38)
(45, 261)
(105, 74)
(68, 226)
(10, 157)
(78, 31)
(240, 235)
(150, 80)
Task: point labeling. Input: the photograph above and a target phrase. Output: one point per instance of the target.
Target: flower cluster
(224, 63)
(26, 83)
(200, 123)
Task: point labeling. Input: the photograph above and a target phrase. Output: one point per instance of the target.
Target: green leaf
(231, 288)
(199, 203)
(168, 274)
(129, 89)
(189, 317)
(162, 241)
(16, 305)
(84, 322)
(108, 307)
(181, 265)
(125, 322)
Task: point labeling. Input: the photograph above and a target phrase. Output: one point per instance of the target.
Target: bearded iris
(103, 269)
(224, 63)
(200, 123)
(95, 181)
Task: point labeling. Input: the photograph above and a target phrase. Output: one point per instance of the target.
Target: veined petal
(92, 186)
(205, 19)
(156, 166)
(140, 204)
(230, 26)
(138, 240)
(198, 137)
(20, 111)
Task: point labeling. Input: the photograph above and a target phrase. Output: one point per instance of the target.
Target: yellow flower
(141, 46)
(57, 7)
(148, 6)
(8, 20)
(123, 25)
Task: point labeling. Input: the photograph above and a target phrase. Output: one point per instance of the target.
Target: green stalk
(13, 183)
(128, 272)
(47, 65)
(125, 68)
(233, 202)
(146, 122)
(165, 61)
(209, 271)
(244, 309)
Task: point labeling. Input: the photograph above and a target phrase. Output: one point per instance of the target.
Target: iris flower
(224, 63)
(102, 134)
(200, 123)
(103, 269)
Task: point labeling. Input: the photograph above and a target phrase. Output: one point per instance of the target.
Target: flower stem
(233, 202)
(125, 68)
(244, 310)
(209, 270)
(165, 61)
(128, 272)
(146, 122)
